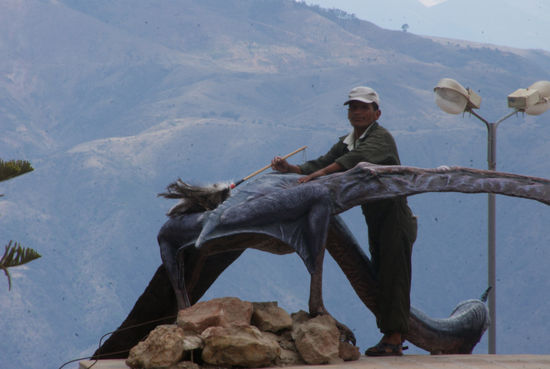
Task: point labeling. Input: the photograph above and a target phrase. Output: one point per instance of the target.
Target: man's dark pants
(392, 231)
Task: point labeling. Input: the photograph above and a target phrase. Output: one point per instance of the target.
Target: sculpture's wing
(276, 206)
(366, 182)
(273, 205)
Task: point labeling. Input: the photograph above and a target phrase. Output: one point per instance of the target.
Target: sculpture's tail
(457, 334)
(485, 294)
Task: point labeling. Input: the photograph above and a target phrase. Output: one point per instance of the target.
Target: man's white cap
(364, 94)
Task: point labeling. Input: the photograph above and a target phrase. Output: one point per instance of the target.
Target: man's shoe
(385, 349)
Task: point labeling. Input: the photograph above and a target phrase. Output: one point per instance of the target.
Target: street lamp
(453, 98)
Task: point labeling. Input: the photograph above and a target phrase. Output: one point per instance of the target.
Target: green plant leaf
(14, 168)
(16, 255)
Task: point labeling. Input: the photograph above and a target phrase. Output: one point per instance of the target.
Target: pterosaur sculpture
(276, 214)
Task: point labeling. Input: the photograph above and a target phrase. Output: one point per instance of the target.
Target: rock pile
(228, 332)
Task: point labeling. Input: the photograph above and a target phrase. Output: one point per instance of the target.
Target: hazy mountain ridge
(493, 22)
(110, 109)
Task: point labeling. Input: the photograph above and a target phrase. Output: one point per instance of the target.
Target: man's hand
(334, 167)
(313, 175)
(281, 165)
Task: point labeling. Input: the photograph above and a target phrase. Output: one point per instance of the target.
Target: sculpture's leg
(187, 265)
(318, 219)
(316, 232)
(316, 305)
(190, 271)
(173, 260)
(179, 283)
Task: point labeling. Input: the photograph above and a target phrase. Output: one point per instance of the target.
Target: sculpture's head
(195, 199)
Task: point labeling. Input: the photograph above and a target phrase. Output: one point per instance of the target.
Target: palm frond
(16, 255)
(14, 168)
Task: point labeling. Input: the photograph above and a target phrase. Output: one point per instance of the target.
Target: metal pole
(491, 228)
(491, 243)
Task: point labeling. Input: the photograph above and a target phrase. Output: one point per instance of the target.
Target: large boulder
(163, 347)
(244, 346)
(220, 312)
(318, 340)
(269, 317)
(348, 352)
(289, 355)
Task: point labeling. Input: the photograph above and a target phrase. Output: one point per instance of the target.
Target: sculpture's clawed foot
(182, 299)
(346, 335)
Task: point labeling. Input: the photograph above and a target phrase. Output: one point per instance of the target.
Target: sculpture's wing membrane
(276, 206)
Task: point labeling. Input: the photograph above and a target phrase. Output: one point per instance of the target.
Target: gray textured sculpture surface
(274, 213)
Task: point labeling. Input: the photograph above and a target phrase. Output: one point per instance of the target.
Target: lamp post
(453, 98)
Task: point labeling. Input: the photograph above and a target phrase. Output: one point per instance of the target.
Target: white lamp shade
(543, 88)
(538, 109)
(450, 101)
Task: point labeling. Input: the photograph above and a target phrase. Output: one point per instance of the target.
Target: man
(391, 224)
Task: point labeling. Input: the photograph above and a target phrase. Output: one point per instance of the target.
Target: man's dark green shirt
(377, 147)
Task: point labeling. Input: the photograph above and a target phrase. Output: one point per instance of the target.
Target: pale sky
(522, 24)
(429, 3)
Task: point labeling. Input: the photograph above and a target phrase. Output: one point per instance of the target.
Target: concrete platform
(404, 362)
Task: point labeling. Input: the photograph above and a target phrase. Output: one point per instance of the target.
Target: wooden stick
(267, 167)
